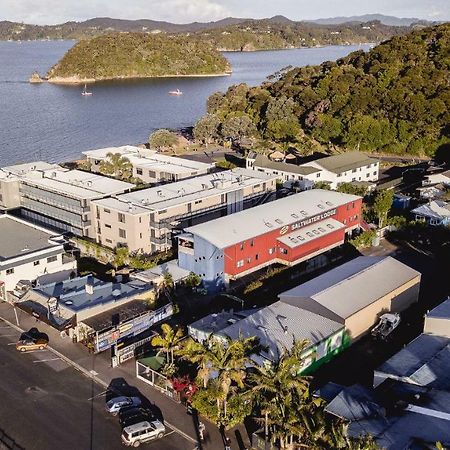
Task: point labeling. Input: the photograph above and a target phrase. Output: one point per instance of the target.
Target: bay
(56, 123)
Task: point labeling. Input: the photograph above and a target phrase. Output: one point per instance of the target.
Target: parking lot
(46, 403)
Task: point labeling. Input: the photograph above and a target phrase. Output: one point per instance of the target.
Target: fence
(157, 380)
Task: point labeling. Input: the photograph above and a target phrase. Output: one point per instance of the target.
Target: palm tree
(168, 341)
(281, 392)
(226, 357)
(117, 166)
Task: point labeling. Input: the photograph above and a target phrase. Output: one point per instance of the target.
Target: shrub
(364, 239)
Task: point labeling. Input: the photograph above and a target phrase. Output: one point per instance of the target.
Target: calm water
(56, 123)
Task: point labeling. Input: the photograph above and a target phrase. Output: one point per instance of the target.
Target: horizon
(55, 12)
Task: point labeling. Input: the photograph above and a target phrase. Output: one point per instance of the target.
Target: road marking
(90, 374)
(7, 335)
(11, 343)
(169, 433)
(98, 395)
(46, 360)
(6, 327)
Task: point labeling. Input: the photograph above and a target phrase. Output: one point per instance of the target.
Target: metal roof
(424, 361)
(243, 225)
(185, 191)
(436, 209)
(311, 232)
(72, 294)
(155, 273)
(19, 238)
(265, 162)
(354, 285)
(279, 324)
(345, 162)
(442, 311)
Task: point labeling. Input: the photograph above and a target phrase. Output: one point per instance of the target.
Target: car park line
(46, 360)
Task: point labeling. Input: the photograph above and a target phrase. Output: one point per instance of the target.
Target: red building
(287, 231)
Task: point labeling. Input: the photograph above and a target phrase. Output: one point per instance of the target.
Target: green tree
(192, 280)
(117, 166)
(350, 188)
(120, 258)
(382, 205)
(168, 341)
(162, 139)
(207, 129)
(238, 127)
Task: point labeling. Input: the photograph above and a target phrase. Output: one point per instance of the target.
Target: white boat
(387, 324)
(85, 92)
(177, 92)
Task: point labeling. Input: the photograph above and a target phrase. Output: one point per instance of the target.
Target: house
(287, 231)
(28, 253)
(343, 168)
(435, 213)
(356, 293)
(68, 304)
(277, 327)
(144, 220)
(436, 178)
(151, 166)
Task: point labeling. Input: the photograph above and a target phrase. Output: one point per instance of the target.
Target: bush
(364, 239)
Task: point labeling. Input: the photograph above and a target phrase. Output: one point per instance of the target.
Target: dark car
(132, 416)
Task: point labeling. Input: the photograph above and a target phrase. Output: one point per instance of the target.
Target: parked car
(142, 432)
(28, 344)
(114, 405)
(131, 416)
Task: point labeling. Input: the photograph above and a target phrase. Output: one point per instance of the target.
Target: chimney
(89, 285)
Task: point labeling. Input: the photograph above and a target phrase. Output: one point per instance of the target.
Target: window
(107, 225)
(339, 175)
(198, 201)
(354, 170)
(374, 173)
(249, 260)
(140, 235)
(353, 204)
(140, 219)
(52, 259)
(284, 251)
(318, 175)
(9, 271)
(242, 246)
(271, 251)
(240, 263)
(121, 217)
(36, 263)
(107, 211)
(122, 233)
(109, 241)
(139, 171)
(252, 243)
(256, 257)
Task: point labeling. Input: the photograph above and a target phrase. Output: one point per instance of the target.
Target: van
(142, 432)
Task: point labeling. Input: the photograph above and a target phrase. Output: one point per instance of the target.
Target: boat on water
(176, 92)
(86, 92)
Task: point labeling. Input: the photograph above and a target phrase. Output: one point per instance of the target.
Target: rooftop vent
(116, 292)
(160, 193)
(68, 302)
(329, 203)
(303, 212)
(295, 216)
(320, 206)
(279, 221)
(268, 224)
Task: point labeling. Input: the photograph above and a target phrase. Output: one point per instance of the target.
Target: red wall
(262, 243)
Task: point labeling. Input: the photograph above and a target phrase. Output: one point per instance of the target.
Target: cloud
(57, 11)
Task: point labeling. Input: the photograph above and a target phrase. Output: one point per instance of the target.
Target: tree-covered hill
(395, 98)
(128, 55)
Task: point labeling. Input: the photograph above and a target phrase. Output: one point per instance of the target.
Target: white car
(114, 405)
(139, 433)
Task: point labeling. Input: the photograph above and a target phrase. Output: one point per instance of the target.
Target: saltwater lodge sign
(308, 221)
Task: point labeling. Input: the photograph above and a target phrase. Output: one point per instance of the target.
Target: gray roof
(424, 361)
(181, 192)
(154, 273)
(279, 324)
(354, 285)
(345, 161)
(19, 238)
(265, 162)
(419, 426)
(238, 227)
(72, 295)
(442, 311)
(436, 209)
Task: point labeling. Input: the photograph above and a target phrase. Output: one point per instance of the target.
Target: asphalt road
(47, 404)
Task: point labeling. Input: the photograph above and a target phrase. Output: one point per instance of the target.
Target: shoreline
(75, 80)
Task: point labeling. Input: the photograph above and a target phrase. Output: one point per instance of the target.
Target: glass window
(240, 263)
(9, 271)
(52, 259)
(121, 217)
(122, 233)
(36, 263)
(139, 171)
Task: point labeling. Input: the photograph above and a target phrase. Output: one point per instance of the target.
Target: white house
(28, 252)
(343, 168)
(435, 178)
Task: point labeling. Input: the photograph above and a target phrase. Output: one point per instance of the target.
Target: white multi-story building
(149, 165)
(343, 168)
(143, 220)
(28, 252)
(56, 197)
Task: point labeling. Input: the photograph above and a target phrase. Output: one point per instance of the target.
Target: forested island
(394, 99)
(137, 55)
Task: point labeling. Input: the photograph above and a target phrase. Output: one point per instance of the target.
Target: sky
(184, 11)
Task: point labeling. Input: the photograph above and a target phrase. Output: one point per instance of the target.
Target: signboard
(308, 221)
(52, 304)
(131, 327)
